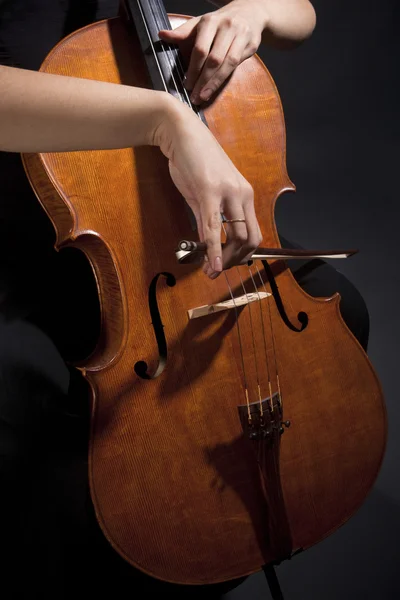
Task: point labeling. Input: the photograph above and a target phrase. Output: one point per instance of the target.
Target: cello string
(167, 52)
(273, 344)
(253, 339)
(264, 339)
(264, 448)
(175, 59)
(151, 44)
(264, 452)
(246, 392)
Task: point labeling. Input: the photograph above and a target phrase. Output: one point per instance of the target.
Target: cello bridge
(232, 303)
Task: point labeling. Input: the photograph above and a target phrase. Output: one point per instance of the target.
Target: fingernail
(206, 94)
(194, 99)
(217, 263)
(214, 275)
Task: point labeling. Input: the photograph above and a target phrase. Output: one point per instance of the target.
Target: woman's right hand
(57, 113)
(211, 185)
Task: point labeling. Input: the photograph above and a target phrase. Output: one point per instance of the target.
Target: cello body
(180, 487)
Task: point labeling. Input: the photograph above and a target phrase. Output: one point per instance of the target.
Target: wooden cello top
(191, 477)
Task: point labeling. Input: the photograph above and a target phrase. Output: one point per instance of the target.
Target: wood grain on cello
(191, 476)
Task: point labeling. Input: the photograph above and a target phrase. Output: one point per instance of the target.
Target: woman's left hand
(217, 43)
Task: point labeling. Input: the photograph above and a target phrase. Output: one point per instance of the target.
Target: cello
(193, 382)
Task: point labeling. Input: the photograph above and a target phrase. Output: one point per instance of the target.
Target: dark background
(340, 94)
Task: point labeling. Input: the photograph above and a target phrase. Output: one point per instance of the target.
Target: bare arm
(216, 43)
(287, 23)
(41, 112)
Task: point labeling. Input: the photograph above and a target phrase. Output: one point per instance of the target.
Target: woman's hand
(57, 113)
(211, 185)
(217, 43)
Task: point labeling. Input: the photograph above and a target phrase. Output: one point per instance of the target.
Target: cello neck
(164, 62)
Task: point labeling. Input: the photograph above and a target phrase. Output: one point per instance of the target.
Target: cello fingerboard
(165, 63)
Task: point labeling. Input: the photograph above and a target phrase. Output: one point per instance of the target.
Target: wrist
(259, 9)
(170, 123)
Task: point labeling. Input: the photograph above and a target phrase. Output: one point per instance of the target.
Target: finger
(180, 33)
(211, 223)
(236, 240)
(236, 54)
(242, 237)
(207, 269)
(199, 222)
(216, 58)
(213, 80)
(184, 36)
(236, 231)
(253, 232)
(200, 227)
(205, 36)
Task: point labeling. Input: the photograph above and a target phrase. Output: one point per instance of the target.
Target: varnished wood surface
(176, 488)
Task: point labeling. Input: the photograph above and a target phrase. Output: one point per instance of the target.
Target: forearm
(287, 22)
(40, 112)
